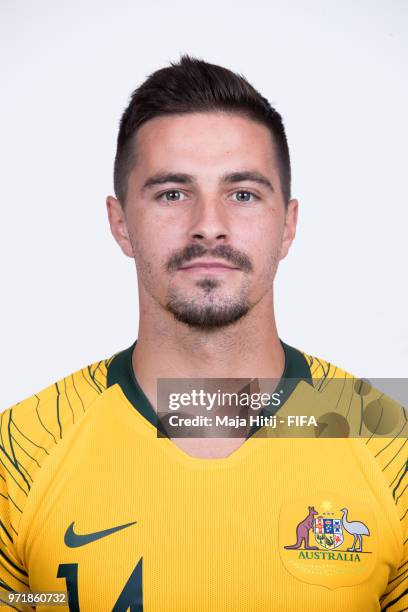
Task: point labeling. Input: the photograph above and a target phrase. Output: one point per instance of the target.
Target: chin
(207, 317)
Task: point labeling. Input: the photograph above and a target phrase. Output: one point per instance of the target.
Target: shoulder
(57, 406)
(372, 414)
(320, 368)
(32, 428)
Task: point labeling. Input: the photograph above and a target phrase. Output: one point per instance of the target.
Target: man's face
(204, 218)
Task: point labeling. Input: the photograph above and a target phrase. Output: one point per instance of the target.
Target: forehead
(197, 142)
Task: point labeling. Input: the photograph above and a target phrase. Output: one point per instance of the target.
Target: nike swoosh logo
(73, 540)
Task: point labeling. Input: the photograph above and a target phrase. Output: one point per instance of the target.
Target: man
(95, 503)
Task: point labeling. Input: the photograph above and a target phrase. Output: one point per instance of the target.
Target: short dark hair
(192, 86)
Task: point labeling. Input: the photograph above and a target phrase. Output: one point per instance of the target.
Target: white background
(337, 72)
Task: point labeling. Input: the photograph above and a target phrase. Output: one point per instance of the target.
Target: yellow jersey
(94, 503)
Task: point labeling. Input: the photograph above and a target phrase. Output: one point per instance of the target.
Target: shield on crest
(328, 532)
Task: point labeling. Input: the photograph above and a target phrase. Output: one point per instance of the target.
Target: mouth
(207, 266)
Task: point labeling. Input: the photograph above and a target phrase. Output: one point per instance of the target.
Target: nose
(209, 223)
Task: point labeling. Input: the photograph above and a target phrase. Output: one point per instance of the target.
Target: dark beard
(206, 316)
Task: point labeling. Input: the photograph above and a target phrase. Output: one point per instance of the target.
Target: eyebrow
(232, 177)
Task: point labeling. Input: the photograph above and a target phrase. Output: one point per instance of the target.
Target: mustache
(222, 251)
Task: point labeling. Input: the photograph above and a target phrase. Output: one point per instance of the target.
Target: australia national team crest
(329, 540)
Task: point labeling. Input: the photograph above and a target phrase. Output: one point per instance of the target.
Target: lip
(208, 266)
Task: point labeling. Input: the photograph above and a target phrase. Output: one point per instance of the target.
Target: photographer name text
(176, 420)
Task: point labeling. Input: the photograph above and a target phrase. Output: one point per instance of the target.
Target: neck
(166, 348)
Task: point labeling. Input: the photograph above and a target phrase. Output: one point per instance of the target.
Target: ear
(118, 225)
(289, 230)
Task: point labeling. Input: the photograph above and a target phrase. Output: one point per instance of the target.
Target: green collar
(121, 372)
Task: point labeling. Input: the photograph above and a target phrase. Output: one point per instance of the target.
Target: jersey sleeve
(13, 576)
(392, 458)
(29, 431)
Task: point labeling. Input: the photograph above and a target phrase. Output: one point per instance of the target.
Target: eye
(245, 196)
(172, 195)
